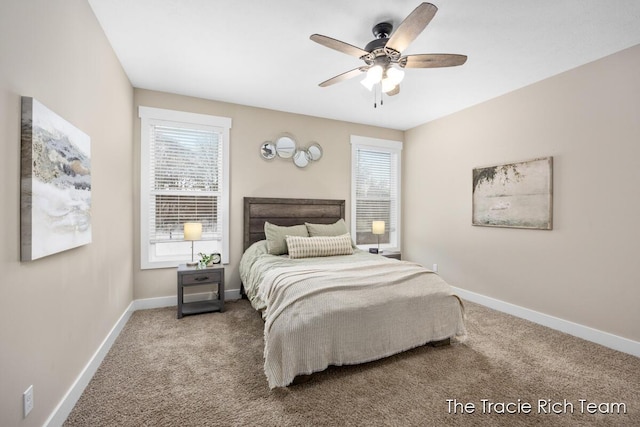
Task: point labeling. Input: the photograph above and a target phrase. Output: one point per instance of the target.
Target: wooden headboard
(286, 212)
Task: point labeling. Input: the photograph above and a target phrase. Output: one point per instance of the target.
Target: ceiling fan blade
(394, 91)
(432, 60)
(338, 45)
(342, 77)
(411, 27)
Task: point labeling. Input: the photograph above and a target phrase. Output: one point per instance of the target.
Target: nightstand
(192, 276)
(391, 254)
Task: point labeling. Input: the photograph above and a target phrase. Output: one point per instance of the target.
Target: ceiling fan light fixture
(368, 83)
(388, 85)
(395, 75)
(391, 79)
(374, 75)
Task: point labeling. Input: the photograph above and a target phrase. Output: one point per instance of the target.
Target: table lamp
(377, 228)
(192, 231)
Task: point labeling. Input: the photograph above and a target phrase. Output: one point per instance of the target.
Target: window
(375, 191)
(184, 178)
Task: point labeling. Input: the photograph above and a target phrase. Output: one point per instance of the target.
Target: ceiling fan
(383, 55)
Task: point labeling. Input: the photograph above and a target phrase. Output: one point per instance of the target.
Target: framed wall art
(517, 195)
(55, 194)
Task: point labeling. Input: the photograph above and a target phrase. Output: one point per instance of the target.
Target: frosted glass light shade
(387, 85)
(392, 78)
(367, 83)
(377, 227)
(374, 74)
(192, 231)
(395, 75)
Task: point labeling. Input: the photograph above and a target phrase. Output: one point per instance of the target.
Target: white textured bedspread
(348, 310)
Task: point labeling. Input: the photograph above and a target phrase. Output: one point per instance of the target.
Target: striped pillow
(317, 246)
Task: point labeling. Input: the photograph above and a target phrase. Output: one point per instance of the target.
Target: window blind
(376, 193)
(186, 181)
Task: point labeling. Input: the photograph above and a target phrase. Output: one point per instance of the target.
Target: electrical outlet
(27, 400)
(435, 268)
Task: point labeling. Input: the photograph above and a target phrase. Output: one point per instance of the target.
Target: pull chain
(375, 97)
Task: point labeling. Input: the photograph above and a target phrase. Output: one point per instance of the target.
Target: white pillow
(318, 246)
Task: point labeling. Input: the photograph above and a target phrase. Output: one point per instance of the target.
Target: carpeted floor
(206, 370)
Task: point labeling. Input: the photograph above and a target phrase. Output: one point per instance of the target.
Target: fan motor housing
(376, 48)
(376, 44)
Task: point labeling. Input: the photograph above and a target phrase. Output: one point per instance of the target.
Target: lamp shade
(377, 227)
(192, 231)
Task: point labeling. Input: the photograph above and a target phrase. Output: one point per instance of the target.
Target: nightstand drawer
(204, 277)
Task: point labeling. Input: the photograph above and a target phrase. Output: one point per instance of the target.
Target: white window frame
(219, 124)
(395, 149)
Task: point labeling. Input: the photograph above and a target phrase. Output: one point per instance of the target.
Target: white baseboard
(590, 334)
(159, 302)
(62, 411)
(232, 294)
(64, 408)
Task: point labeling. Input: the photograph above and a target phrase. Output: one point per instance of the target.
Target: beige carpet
(206, 370)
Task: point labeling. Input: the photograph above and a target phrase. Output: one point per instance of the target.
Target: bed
(347, 308)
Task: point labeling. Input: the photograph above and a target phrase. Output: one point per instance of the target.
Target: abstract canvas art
(517, 195)
(55, 183)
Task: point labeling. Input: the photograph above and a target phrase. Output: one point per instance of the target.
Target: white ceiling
(258, 53)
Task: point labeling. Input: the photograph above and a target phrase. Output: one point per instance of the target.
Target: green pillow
(276, 236)
(338, 228)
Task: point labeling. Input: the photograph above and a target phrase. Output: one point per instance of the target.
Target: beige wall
(57, 310)
(251, 176)
(586, 269)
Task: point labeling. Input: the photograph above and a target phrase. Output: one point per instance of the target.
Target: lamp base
(373, 250)
(192, 263)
